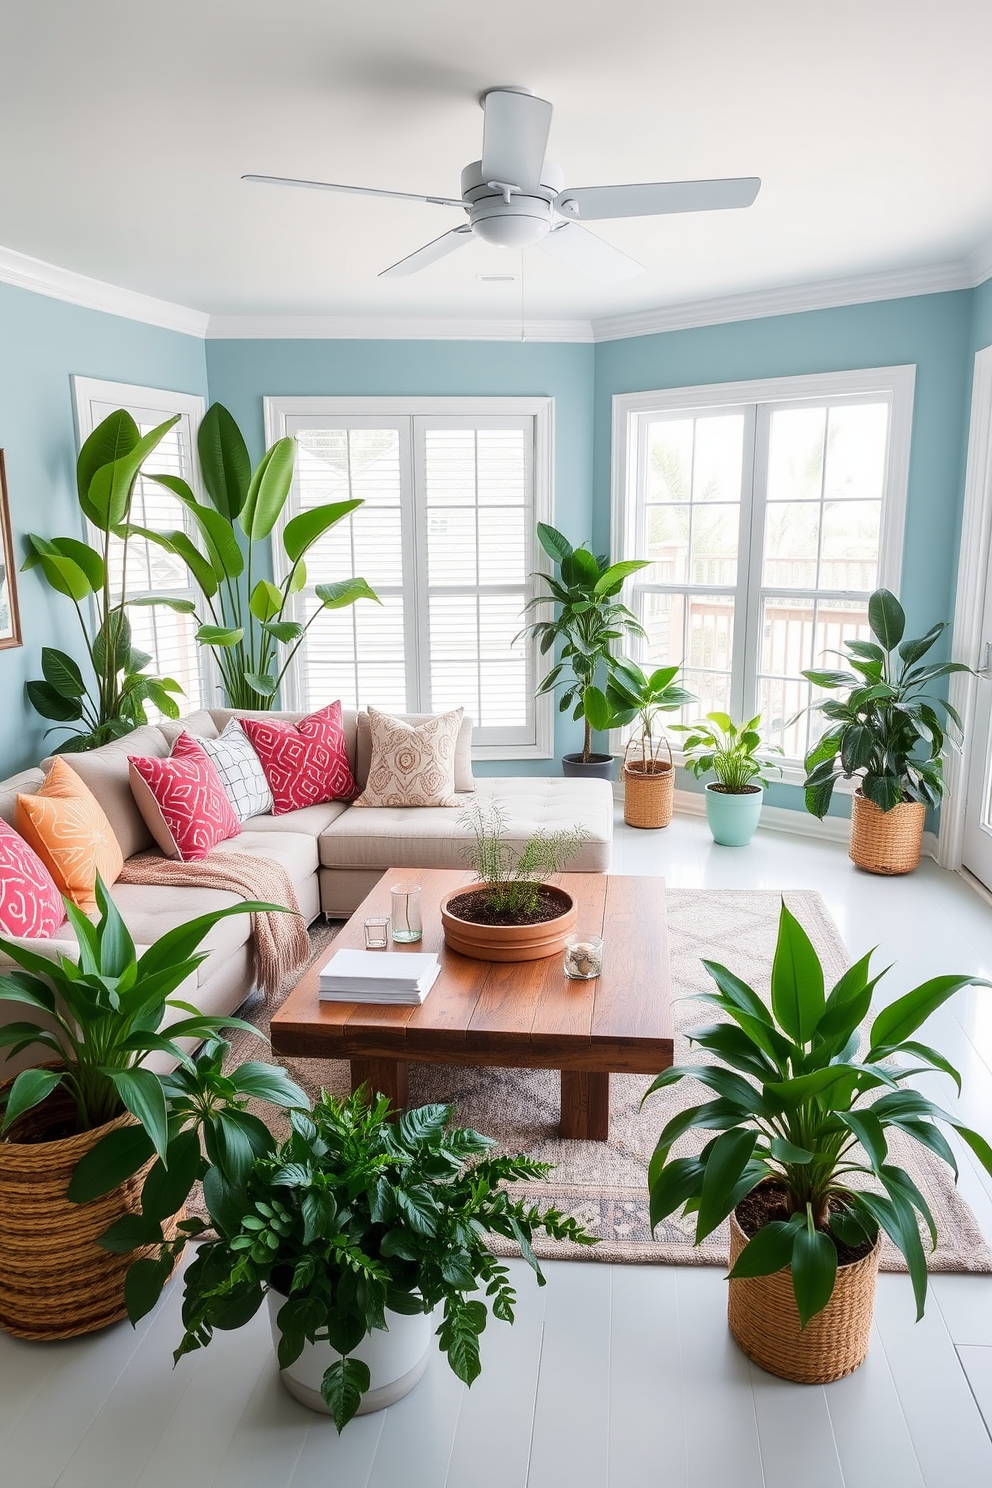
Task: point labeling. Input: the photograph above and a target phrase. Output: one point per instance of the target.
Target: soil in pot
(476, 906)
(765, 1203)
(497, 938)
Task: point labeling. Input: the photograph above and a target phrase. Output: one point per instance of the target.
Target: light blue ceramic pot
(733, 819)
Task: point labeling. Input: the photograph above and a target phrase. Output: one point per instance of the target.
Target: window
(167, 637)
(452, 490)
(769, 511)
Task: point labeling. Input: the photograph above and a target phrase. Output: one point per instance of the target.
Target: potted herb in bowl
(356, 1230)
(801, 1109)
(648, 776)
(888, 732)
(734, 753)
(513, 913)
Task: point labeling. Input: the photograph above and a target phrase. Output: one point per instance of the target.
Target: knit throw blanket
(280, 942)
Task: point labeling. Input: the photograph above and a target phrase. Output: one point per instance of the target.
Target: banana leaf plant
(887, 729)
(113, 703)
(800, 1104)
(245, 618)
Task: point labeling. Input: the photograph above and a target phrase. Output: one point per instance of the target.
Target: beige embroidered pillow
(413, 764)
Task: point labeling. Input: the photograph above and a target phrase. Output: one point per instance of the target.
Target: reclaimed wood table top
(523, 1014)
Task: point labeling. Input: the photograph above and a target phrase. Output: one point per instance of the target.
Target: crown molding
(48, 279)
(980, 264)
(389, 328)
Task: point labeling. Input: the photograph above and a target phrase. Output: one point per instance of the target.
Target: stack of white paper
(377, 976)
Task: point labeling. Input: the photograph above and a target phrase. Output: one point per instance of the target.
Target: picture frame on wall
(10, 619)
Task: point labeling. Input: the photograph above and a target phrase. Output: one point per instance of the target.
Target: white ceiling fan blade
(439, 201)
(514, 137)
(430, 253)
(583, 250)
(654, 199)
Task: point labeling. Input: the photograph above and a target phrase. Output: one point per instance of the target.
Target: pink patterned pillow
(306, 762)
(184, 805)
(30, 904)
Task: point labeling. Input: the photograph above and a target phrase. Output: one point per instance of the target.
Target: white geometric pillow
(240, 771)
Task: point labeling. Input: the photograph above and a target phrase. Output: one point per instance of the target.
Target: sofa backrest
(26, 783)
(105, 771)
(349, 716)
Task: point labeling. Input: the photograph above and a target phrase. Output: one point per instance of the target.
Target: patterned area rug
(603, 1184)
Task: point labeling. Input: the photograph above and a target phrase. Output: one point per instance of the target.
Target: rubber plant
(588, 623)
(245, 618)
(803, 1104)
(632, 693)
(887, 729)
(113, 704)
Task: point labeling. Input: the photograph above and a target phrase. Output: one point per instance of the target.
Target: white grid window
(446, 538)
(169, 638)
(769, 512)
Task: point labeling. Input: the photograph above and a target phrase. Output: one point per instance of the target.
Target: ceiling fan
(514, 197)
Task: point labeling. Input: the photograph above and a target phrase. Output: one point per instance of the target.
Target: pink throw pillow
(182, 800)
(306, 762)
(30, 903)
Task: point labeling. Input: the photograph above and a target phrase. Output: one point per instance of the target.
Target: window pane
(711, 688)
(715, 531)
(710, 632)
(838, 621)
(850, 544)
(856, 441)
(451, 546)
(781, 701)
(786, 636)
(668, 545)
(356, 655)
(504, 540)
(718, 457)
(792, 534)
(663, 617)
(670, 460)
(795, 456)
(503, 474)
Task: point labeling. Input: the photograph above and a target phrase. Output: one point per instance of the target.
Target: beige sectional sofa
(334, 853)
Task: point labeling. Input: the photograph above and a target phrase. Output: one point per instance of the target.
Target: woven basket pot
(648, 790)
(55, 1281)
(763, 1318)
(886, 841)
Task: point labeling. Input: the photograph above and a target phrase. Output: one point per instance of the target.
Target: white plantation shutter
(169, 638)
(446, 538)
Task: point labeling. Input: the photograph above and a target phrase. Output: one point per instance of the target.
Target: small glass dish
(377, 933)
(583, 957)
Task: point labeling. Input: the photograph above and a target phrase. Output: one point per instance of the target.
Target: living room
(771, 398)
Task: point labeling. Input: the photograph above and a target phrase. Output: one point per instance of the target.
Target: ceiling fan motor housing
(503, 213)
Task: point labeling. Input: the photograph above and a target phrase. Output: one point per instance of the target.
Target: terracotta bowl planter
(508, 942)
(55, 1281)
(763, 1318)
(886, 841)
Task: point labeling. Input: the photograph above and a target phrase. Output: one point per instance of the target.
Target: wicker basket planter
(886, 841)
(763, 1319)
(648, 790)
(55, 1281)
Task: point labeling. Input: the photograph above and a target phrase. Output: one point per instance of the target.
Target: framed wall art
(10, 620)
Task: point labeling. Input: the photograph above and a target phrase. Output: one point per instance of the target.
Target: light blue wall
(42, 342)
(931, 331)
(241, 373)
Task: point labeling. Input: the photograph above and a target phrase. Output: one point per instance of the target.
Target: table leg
(585, 1105)
(383, 1077)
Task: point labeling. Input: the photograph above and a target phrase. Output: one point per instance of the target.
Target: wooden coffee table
(523, 1014)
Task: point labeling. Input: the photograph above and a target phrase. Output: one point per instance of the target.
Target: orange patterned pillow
(65, 825)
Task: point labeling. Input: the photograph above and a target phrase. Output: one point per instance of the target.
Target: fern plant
(512, 879)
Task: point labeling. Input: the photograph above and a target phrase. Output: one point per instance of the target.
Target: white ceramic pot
(397, 1359)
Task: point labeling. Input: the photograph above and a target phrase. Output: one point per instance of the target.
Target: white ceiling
(128, 123)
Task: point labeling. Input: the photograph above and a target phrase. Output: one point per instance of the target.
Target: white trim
(95, 294)
(390, 328)
(89, 390)
(799, 823)
(969, 604)
(278, 409)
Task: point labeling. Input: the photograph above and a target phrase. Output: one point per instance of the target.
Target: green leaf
(223, 549)
(166, 1189)
(886, 618)
(261, 682)
(898, 1219)
(128, 1232)
(597, 709)
(268, 490)
(345, 592)
(769, 1250)
(268, 1082)
(113, 438)
(797, 980)
(51, 704)
(677, 1182)
(342, 1388)
(870, 1133)
(727, 1159)
(884, 790)
(219, 635)
(224, 461)
(814, 1271)
(109, 493)
(554, 543)
(84, 557)
(63, 574)
(29, 1089)
(266, 600)
(303, 530)
(913, 651)
(901, 1019)
(830, 679)
(784, 1151)
(143, 1285)
(285, 631)
(141, 1093)
(848, 1002)
(612, 581)
(167, 601)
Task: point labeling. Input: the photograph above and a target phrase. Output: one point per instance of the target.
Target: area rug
(604, 1184)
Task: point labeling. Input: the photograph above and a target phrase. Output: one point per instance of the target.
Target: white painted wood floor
(612, 1375)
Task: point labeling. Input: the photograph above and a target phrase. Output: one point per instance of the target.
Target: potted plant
(731, 750)
(107, 471)
(798, 1114)
(355, 1230)
(590, 620)
(888, 732)
(648, 777)
(247, 619)
(513, 914)
(78, 1133)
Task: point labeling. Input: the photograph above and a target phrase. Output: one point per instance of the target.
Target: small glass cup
(583, 957)
(377, 933)
(405, 921)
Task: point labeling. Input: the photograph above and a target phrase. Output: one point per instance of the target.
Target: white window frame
(279, 409)
(895, 385)
(90, 391)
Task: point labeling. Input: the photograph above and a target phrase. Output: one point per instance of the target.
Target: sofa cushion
(464, 779)
(151, 910)
(30, 903)
(435, 837)
(183, 801)
(105, 771)
(24, 784)
(311, 819)
(240, 771)
(67, 828)
(305, 763)
(295, 851)
(413, 764)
